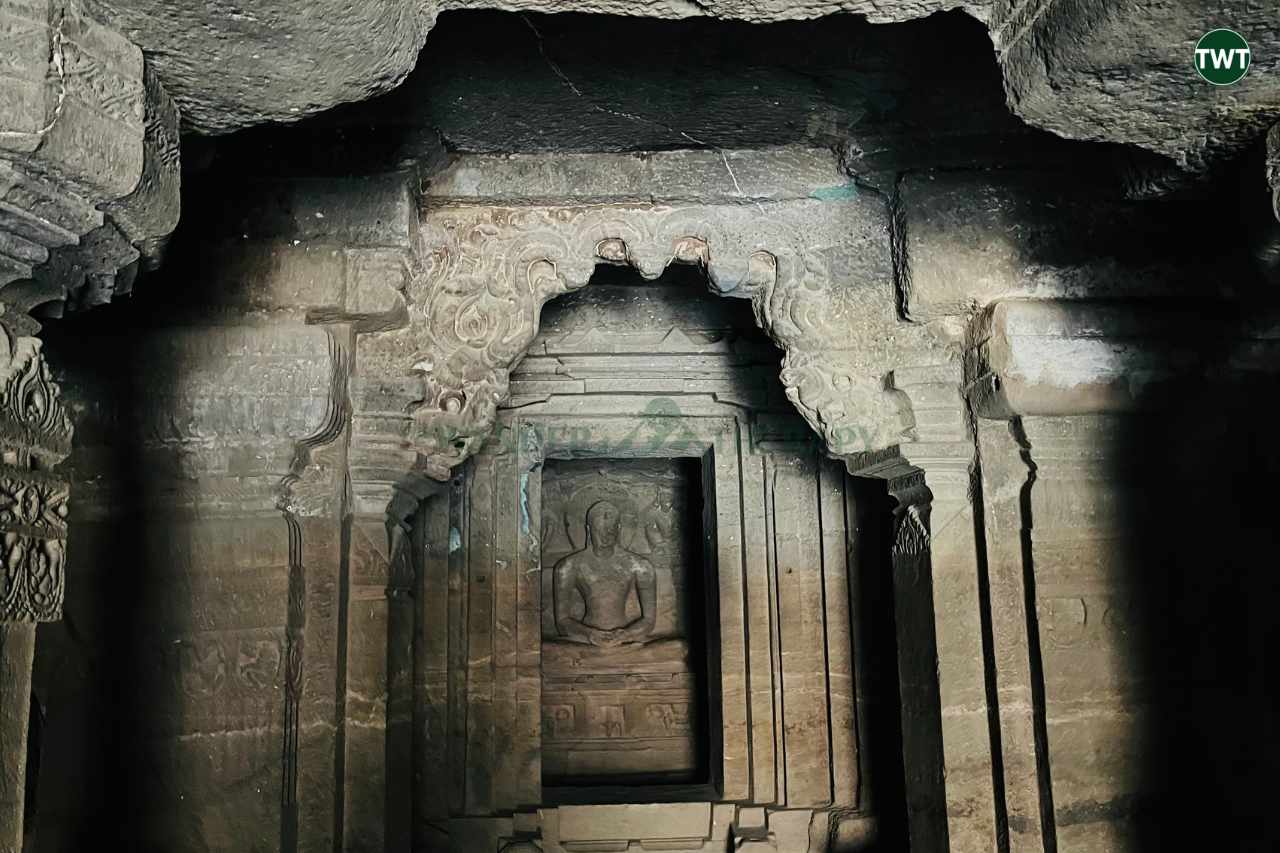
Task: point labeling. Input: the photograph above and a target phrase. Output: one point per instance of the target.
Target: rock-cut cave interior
(519, 426)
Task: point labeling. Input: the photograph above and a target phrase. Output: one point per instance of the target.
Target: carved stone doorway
(664, 402)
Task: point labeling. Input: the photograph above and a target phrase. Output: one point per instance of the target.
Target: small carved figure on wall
(604, 573)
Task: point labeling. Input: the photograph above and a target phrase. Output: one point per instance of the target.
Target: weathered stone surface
(235, 536)
(494, 82)
(816, 270)
(1273, 167)
(966, 239)
(1063, 358)
(230, 69)
(1084, 70)
(1123, 72)
(88, 159)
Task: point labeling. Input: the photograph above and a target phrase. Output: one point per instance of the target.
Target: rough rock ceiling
(496, 82)
(232, 64)
(1085, 69)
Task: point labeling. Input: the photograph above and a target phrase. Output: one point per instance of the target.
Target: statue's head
(603, 521)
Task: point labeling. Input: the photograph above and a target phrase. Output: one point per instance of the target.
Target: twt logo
(1222, 57)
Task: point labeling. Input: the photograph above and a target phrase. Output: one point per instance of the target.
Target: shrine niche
(623, 625)
(648, 549)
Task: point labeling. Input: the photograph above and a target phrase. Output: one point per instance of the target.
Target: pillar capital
(88, 161)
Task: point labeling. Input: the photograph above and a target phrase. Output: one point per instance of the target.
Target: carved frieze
(817, 272)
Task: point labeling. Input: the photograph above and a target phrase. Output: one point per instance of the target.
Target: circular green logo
(1222, 57)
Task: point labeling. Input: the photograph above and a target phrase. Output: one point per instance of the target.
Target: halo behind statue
(575, 515)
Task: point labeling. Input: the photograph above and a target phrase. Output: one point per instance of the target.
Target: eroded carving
(604, 573)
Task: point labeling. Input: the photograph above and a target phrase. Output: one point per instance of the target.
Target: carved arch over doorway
(485, 274)
(814, 260)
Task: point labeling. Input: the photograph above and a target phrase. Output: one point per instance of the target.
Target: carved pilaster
(914, 608)
(944, 453)
(88, 187)
(35, 434)
(1008, 475)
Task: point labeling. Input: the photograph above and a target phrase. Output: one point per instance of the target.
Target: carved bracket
(88, 161)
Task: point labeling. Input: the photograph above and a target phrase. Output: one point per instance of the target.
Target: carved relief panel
(645, 559)
(623, 615)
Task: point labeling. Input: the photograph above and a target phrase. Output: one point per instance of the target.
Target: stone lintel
(692, 176)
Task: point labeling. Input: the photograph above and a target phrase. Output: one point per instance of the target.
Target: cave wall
(240, 630)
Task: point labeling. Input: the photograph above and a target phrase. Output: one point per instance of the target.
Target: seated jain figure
(604, 574)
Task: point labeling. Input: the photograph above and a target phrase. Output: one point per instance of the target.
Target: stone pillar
(951, 744)
(89, 188)
(17, 647)
(1006, 481)
(913, 606)
(35, 435)
(1118, 457)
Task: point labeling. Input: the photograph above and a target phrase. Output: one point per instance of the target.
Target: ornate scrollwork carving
(486, 272)
(31, 413)
(35, 434)
(33, 531)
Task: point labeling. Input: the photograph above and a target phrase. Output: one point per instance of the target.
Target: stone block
(87, 129)
(1076, 358)
(294, 278)
(968, 239)
(779, 174)
(649, 822)
(1060, 61)
(376, 281)
(149, 213)
(363, 212)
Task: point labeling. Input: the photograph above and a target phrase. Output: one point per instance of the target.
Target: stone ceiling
(493, 82)
(1084, 69)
